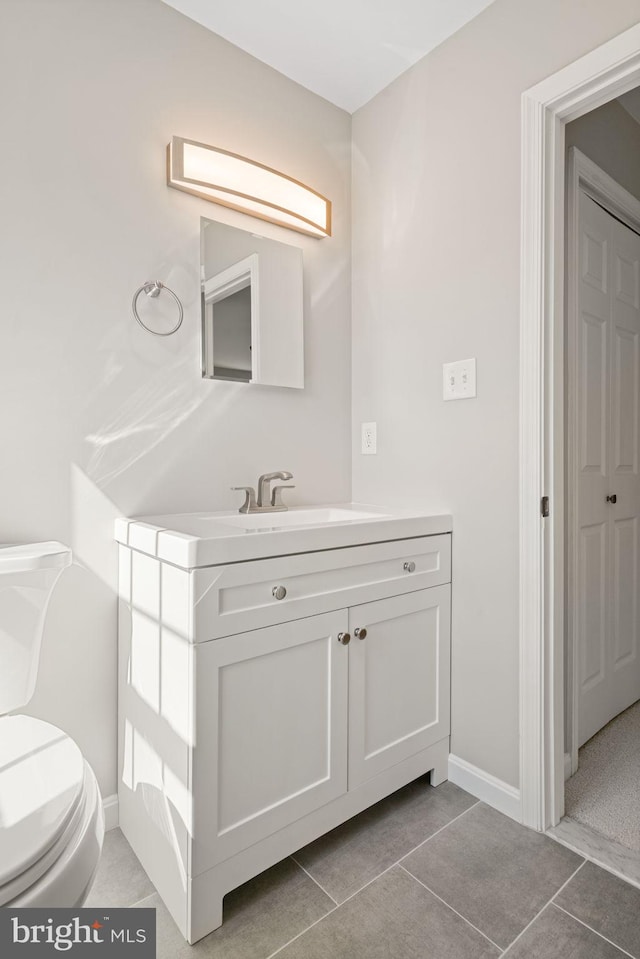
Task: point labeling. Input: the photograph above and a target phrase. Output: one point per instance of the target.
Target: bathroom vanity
(278, 674)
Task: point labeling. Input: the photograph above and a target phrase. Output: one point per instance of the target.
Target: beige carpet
(605, 792)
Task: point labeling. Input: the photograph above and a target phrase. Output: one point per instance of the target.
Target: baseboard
(484, 786)
(111, 817)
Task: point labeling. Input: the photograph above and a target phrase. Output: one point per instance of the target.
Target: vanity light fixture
(242, 184)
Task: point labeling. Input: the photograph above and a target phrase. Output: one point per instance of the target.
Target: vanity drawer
(239, 597)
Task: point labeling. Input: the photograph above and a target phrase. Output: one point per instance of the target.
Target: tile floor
(425, 874)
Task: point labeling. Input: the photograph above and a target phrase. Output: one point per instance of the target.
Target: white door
(606, 485)
(271, 716)
(398, 679)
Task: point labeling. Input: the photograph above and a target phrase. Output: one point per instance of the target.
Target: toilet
(51, 818)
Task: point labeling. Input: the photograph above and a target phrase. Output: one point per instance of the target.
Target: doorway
(603, 439)
(602, 679)
(600, 76)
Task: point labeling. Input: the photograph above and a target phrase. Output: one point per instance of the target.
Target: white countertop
(192, 540)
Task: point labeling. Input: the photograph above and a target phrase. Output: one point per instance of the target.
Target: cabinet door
(605, 495)
(271, 721)
(398, 679)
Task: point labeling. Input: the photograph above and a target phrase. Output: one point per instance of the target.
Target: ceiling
(343, 50)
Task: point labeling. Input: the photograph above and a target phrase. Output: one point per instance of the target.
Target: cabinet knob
(344, 638)
(409, 567)
(612, 499)
(279, 592)
(360, 632)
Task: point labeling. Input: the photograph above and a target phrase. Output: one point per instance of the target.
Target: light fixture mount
(239, 183)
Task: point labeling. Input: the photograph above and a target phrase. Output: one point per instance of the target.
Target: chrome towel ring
(153, 288)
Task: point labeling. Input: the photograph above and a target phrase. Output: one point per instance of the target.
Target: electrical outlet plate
(369, 440)
(459, 380)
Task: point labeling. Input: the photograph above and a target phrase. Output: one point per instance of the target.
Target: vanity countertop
(192, 540)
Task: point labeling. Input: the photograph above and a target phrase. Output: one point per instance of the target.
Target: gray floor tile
(555, 934)
(494, 872)
(120, 880)
(356, 852)
(607, 904)
(392, 918)
(259, 917)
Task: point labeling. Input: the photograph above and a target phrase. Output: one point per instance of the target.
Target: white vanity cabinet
(252, 724)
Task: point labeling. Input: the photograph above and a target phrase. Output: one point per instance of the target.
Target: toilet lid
(41, 784)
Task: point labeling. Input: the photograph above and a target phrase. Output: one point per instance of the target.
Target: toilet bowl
(51, 818)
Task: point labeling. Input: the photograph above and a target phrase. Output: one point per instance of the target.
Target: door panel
(627, 284)
(595, 255)
(607, 410)
(623, 665)
(594, 393)
(625, 401)
(593, 605)
(591, 557)
(625, 584)
(398, 680)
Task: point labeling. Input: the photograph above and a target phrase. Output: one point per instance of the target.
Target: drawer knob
(279, 592)
(360, 632)
(344, 638)
(409, 567)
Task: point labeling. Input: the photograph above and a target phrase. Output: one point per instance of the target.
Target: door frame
(599, 76)
(583, 175)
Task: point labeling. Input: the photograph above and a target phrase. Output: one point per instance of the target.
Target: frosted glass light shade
(242, 184)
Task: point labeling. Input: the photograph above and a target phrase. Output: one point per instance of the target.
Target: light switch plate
(459, 380)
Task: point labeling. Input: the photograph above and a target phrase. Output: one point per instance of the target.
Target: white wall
(99, 418)
(436, 218)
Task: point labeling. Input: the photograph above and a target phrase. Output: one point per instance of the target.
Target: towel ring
(153, 288)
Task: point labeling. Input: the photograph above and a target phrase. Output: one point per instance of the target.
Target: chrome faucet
(267, 501)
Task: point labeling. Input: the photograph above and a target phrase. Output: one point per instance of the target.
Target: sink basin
(318, 516)
(192, 540)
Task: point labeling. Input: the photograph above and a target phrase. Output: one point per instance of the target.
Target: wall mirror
(252, 325)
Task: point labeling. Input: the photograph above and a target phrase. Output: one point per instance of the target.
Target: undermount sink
(193, 540)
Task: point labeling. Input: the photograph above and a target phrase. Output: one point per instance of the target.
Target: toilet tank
(28, 573)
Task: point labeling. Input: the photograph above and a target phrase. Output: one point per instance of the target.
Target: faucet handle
(249, 504)
(276, 497)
